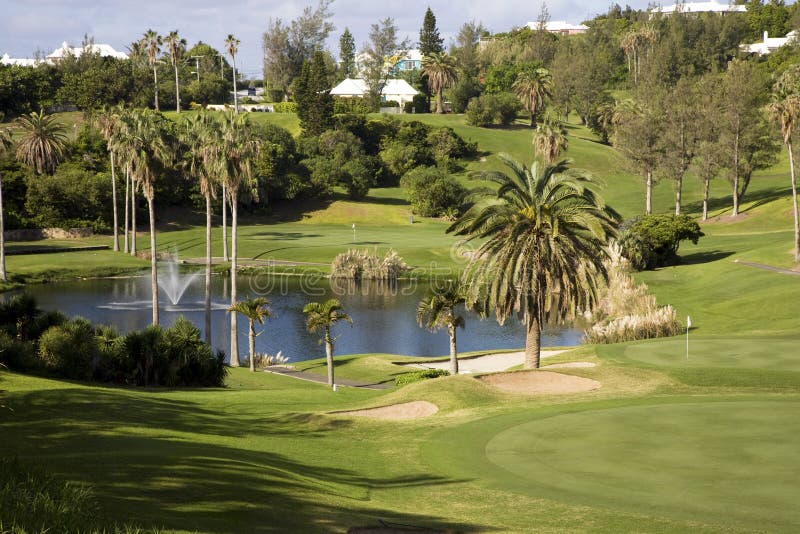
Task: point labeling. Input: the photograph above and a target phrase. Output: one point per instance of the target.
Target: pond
(383, 314)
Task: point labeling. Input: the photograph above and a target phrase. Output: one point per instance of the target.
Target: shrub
(419, 104)
(360, 106)
(493, 110)
(652, 241)
(18, 355)
(70, 349)
(361, 265)
(433, 192)
(447, 145)
(417, 376)
(285, 107)
(263, 361)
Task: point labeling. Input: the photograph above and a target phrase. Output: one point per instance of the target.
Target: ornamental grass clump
(627, 311)
(362, 265)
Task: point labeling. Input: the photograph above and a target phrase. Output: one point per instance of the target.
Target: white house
(397, 90)
(20, 61)
(76, 51)
(561, 27)
(769, 44)
(700, 7)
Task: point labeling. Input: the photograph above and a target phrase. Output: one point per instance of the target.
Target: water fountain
(172, 282)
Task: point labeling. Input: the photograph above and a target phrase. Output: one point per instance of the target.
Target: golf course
(693, 433)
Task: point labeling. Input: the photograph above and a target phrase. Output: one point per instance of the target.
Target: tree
(379, 52)
(151, 42)
(257, 311)
(320, 318)
(239, 149)
(708, 153)
(43, 142)
(785, 110)
(232, 47)
(430, 42)
(438, 311)
(532, 86)
(5, 145)
(638, 44)
(107, 121)
(146, 144)
(543, 234)
(312, 94)
(440, 69)
(201, 135)
(176, 46)
(347, 54)
(679, 137)
(549, 140)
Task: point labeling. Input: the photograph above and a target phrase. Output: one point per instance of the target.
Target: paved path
(764, 267)
(322, 379)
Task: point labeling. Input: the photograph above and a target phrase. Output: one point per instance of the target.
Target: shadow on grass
(166, 463)
(704, 257)
(751, 200)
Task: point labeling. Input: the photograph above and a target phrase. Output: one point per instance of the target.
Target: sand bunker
(396, 412)
(489, 363)
(569, 365)
(539, 383)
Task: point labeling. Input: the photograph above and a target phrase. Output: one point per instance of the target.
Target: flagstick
(688, 325)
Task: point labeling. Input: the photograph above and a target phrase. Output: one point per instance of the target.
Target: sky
(27, 26)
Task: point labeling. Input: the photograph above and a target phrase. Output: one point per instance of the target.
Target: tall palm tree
(43, 142)
(152, 44)
(5, 146)
(176, 46)
(320, 317)
(238, 152)
(442, 72)
(438, 311)
(543, 233)
(145, 142)
(232, 47)
(122, 149)
(107, 121)
(785, 110)
(549, 141)
(532, 86)
(257, 311)
(201, 135)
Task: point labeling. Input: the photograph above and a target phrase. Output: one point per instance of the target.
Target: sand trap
(490, 363)
(569, 365)
(539, 383)
(396, 412)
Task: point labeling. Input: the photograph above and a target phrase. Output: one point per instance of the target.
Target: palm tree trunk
(533, 341)
(794, 205)
(3, 275)
(252, 347)
(153, 258)
(648, 207)
(114, 202)
(235, 95)
(439, 108)
(453, 352)
(234, 328)
(177, 92)
(706, 183)
(133, 218)
(155, 84)
(329, 355)
(678, 188)
(224, 223)
(127, 204)
(208, 269)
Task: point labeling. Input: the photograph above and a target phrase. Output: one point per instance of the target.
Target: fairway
(726, 462)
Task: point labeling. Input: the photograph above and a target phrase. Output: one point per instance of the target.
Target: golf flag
(688, 322)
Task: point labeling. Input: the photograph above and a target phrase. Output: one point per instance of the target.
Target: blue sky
(27, 26)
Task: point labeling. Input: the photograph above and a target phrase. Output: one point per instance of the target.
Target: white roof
(101, 49)
(769, 44)
(558, 26)
(702, 7)
(22, 62)
(358, 87)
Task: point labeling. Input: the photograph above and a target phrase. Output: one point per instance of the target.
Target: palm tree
(438, 311)
(256, 310)
(202, 137)
(549, 141)
(532, 86)
(238, 152)
(321, 316)
(176, 47)
(107, 121)
(543, 233)
(441, 71)
(5, 145)
(232, 46)
(785, 110)
(152, 44)
(43, 142)
(146, 146)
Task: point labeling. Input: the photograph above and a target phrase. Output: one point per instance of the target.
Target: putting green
(727, 462)
(779, 354)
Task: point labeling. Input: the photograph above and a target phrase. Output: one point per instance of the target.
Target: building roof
(769, 44)
(559, 26)
(22, 62)
(701, 7)
(76, 51)
(358, 87)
